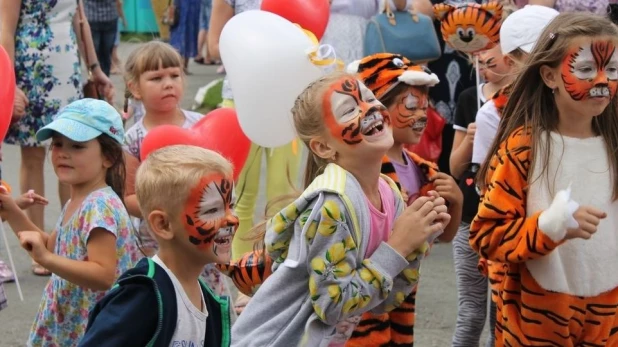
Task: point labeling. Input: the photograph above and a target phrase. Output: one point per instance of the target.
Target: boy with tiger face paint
(209, 218)
(186, 195)
(403, 89)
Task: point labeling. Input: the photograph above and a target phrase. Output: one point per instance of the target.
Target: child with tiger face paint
(186, 195)
(348, 244)
(550, 192)
(403, 88)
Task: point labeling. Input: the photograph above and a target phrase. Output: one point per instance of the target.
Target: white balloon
(267, 63)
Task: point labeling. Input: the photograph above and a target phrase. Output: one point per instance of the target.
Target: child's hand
(30, 199)
(447, 188)
(416, 224)
(32, 241)
(440, 208)
(8, 205)
(588, 219)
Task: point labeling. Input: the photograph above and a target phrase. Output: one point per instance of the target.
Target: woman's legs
(472, 291)
(32, 177)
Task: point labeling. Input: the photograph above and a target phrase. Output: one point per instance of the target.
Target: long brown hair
(116, 174)
(532, 104)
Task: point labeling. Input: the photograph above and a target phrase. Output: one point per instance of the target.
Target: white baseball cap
(524, 27)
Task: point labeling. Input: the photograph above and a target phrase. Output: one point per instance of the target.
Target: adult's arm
(221, 13)
(9, 15)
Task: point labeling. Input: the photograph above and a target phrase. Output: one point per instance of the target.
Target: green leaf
(315, 297)
(329, 213)
(318, 272)
(328, 256)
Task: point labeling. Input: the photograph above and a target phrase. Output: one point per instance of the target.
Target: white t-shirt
(191, 325)
(487, 121)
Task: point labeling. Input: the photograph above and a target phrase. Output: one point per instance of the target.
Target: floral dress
(47, 68)
(63, 312)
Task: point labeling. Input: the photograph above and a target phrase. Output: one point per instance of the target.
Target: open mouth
(372, 124)
(419, 125)
(599, 92)
(224, 237)
(223, 240)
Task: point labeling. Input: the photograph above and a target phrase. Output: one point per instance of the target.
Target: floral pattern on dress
(63, 312)
(47, 68)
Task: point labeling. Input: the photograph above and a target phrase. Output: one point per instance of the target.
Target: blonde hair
(308, 119)
(164, 179)
(149, 56)
(531, 103)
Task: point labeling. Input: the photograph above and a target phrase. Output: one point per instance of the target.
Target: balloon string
(322, 55)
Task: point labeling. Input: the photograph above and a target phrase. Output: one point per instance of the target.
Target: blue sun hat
(84, 120)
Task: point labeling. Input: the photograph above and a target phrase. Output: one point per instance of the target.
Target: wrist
(45, 259)
(93, 67)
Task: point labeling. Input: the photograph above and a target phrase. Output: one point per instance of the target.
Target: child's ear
(550, 76)
(134, 89)
(160, 225)
(321, 148)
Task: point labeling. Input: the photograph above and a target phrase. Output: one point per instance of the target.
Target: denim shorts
(205, 14)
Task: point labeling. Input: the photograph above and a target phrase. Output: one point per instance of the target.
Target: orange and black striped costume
(395, 328)
(503, 231)
(495, 271)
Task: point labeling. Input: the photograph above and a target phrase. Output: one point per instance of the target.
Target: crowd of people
(523, 187)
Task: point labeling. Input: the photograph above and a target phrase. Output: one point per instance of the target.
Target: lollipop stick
(478, 82)
(8, 250)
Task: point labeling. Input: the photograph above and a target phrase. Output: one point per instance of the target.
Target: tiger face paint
(412, 110)
(352, 113)
(591, 71)
(208, 215)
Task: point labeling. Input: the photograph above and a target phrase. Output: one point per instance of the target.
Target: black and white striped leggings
(472, 294)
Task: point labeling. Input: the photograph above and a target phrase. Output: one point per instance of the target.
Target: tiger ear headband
(383, 71)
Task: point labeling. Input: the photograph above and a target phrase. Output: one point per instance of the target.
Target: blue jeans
(103, 37)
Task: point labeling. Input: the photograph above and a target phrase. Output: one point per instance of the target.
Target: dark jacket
(140, 310)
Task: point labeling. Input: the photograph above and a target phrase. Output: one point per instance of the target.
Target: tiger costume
(470, 27)
(492, 270)
(546, 296)
(395, 328)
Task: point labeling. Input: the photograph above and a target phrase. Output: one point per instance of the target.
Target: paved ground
(437, 300)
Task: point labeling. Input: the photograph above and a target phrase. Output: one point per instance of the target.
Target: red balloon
(309, 14)
(168, 135)
(220, 131)
(7, 92)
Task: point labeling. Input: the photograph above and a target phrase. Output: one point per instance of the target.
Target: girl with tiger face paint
(209, 217)
(590, 71)
(403, 88)
(549, 191)
(353, 114)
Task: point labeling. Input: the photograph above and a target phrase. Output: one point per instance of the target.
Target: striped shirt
(98, 11)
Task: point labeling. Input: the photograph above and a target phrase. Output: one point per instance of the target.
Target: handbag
(408, 33)
(430, 146)
(171, 15)
(89, 89)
